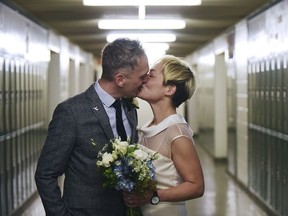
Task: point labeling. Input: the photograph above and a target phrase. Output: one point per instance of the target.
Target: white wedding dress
(159, 139)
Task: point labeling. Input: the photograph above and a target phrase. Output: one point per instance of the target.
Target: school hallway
(238, 113)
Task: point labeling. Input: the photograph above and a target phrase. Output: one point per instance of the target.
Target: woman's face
(153, 90)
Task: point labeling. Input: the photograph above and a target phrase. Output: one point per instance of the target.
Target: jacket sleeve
(53, 160)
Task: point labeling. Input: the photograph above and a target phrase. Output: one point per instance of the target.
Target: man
(90, 115)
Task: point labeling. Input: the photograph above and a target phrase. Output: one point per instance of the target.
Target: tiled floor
(222, 197)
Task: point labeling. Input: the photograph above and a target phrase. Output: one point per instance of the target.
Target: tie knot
(117, 104)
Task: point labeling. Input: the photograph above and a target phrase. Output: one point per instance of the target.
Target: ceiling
(79, 23)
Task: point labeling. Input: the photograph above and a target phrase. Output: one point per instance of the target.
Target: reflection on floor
(223, 197)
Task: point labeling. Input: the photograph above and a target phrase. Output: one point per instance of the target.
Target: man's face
(137, 77)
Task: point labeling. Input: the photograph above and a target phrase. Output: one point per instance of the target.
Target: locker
(273, 95)
(8, 141)
(13, 129)
(2, 104)
(27, 131)
(18, 138)
(250, 90)
(284, 197)
(279, 94)
(257, 106)
(22, 137)
(285, 94)
(267, 104)
(3, 173)
(285, 136)
(273, 168)
(29, 140)
(262, 88)
(253, 100)
(279, 173)
(270, 171)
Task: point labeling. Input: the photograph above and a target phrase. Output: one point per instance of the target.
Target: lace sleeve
(173, 132)
(180, 130)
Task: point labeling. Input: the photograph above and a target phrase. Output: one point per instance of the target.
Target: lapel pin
(96, 108)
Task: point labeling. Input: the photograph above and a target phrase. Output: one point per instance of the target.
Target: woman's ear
(170, 90)
(120, 79)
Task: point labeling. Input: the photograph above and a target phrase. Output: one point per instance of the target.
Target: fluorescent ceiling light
(153, 55)
(144, 37)
(141, 24)
(156, 46)
(154, 51)
(141, 2)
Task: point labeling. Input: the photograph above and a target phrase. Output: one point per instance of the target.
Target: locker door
(268, 138)
(285, 132)
(13, 129)
(8, 141)
(285, 94)
(252, 121)
(26, 125)
(273, 127)
(3, 182)
(18, 127)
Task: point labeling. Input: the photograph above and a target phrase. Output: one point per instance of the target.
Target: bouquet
(128, 168)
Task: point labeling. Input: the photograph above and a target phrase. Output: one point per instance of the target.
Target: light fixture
(141, 24)
(154, 51)
(143, 37)
(141, 2)
(156, 46)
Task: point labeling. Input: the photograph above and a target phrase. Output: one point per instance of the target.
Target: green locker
(3, 172)
(23, 125)
(19, 129)
(257, 99)
(26, 123)
(262, 89)
(273, 93)
(285, 136)
(8, 141)
(279, 94)
(251, 90)
(13, 129)
(284, 197)
(285, 94)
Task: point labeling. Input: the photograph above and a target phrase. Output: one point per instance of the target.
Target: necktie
(119, 121)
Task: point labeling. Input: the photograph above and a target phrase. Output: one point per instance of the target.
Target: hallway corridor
(222, 197)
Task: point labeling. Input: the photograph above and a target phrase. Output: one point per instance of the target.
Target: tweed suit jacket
(68, 150)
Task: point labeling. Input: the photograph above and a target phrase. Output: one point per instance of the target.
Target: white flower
(121, 147)
(107, 158)
(141, 155)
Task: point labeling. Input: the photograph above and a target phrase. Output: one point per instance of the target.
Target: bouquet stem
(134, 212)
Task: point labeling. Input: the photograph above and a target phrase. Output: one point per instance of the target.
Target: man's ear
(120, 79)
(170, 90)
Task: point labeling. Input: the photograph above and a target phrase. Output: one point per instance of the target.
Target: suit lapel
(99, 111)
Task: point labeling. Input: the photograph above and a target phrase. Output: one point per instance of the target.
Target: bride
(178, 170)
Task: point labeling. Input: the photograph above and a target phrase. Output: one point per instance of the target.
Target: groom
(90, 115)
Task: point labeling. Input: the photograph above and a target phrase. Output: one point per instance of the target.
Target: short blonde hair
(177, 72)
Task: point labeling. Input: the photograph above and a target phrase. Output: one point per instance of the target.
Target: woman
(178, 170)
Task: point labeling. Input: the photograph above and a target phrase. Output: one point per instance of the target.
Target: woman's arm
(188, 165)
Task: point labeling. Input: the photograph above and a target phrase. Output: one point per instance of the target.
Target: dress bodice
(159, 138)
